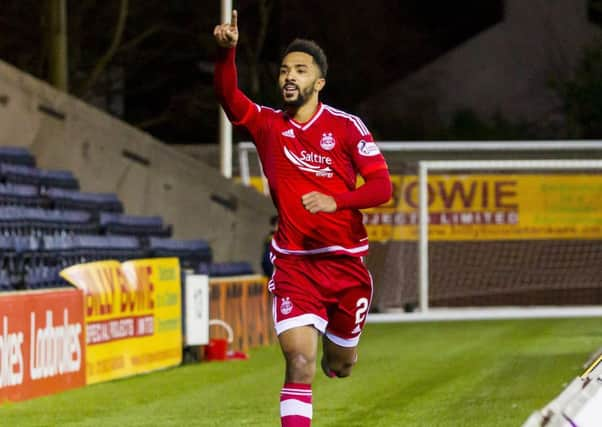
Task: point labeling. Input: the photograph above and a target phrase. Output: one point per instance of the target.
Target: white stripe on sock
(295, 407)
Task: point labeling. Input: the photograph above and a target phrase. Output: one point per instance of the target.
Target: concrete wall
(151, 178)
(505, 69)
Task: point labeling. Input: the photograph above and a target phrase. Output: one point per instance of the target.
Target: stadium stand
(194, 254)
(21, 195)
(115, 223)
(21, 174)
(229, 269)
(16, 156)
(95, 203)
(47, 224)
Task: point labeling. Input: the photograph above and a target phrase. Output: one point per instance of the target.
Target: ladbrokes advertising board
(42, 349)
(133, 316)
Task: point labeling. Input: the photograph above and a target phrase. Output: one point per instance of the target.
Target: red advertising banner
(42, 343)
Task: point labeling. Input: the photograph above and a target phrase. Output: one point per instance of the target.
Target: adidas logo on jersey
(289, 133)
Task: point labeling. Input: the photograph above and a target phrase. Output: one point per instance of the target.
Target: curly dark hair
(311, 48)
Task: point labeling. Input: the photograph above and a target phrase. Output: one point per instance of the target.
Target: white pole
(225, 127)
(423, 257)
(243, 166)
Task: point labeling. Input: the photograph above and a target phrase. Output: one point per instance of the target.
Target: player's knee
(300, 367)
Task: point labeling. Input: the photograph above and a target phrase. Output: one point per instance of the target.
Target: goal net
(490, 234)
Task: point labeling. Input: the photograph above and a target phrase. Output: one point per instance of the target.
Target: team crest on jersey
(327, 142)
(367, 148)
(286, 306)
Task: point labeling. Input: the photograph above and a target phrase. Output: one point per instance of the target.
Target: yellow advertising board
(491, 207)
(133, 313)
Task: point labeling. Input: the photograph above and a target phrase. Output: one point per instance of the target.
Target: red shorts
(331, 293)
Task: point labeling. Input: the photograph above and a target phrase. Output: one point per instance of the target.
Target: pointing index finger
(234, 21)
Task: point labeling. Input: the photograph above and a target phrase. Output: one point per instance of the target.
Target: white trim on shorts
(295, 322)
(343, 342)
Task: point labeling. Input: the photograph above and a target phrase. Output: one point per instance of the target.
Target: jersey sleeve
(364, 152)
(241, 111)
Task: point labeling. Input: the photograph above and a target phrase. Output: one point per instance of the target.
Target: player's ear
(320, 83)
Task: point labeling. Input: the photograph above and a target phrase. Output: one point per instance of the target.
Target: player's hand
(317, 202)
(226, 35)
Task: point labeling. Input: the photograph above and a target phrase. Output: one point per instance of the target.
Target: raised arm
(237, 106)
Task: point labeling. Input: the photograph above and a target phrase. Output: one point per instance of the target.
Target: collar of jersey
(307, 124)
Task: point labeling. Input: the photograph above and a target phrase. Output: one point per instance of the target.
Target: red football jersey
(324, 154)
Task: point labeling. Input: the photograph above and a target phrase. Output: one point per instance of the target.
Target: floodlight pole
(225, 127)
(58, 60)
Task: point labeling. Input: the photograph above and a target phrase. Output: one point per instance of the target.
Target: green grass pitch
(489, 373)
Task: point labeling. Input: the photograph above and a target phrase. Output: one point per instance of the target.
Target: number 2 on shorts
(362, 307)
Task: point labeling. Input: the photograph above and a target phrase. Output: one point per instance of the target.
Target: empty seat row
(17, 156)
(27, 195)
(224, 269)
(61, 198)
(68, 250)
(33, 262)
(20, 220)
(5, 282)
(44, 277)
(21, 174)
(16, 220)
(115, 223)
(191, 252)
(24, 195)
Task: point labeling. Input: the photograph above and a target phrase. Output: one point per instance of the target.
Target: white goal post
(459, 165)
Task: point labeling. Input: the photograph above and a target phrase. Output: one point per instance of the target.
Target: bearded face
(299, 79)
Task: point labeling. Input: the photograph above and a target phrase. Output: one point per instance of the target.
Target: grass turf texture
(490, 373)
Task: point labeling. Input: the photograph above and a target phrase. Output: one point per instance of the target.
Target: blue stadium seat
(120, 248)
(191, 252)
(21, 195)
(59, 179)
(16, 156)
(23, 221)
(224, 269)
(69, 250)
(5, 282)
(93, 202)
(44, 277)
(20, 174)
(142, 226)
(17, 253)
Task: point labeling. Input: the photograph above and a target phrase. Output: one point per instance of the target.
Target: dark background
(160, 77)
